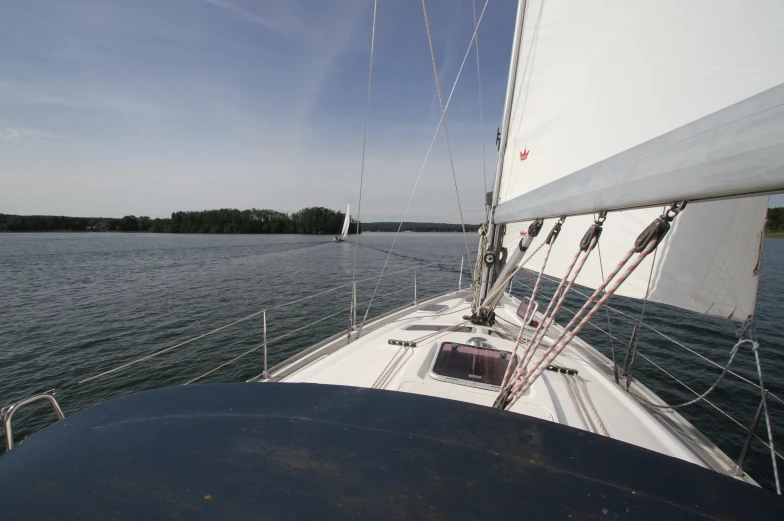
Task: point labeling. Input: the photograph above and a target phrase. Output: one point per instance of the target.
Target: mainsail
(595, 80)
(346, 222)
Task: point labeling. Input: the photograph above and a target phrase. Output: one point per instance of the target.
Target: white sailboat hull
(589, 400)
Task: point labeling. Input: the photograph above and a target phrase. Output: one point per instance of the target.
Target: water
(75, 305)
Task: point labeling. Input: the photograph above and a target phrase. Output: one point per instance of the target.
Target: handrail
(267, 342)
(8, 414)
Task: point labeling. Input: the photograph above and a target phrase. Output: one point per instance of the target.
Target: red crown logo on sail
(524, 155)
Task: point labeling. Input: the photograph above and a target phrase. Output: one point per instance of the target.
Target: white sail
(595, 80)
(346, 222)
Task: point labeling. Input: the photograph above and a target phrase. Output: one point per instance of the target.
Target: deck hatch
(471, 364)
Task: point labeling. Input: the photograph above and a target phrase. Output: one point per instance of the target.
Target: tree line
(315, 220)
(417, 227)
(775, 220)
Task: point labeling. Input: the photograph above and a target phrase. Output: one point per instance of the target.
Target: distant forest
(775, 224)
(417, 227)
(315, 220)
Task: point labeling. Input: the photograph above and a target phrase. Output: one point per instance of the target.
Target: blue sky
(146, 107)
(115, 107)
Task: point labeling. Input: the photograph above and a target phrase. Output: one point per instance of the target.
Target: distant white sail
(597, 79)
(346, 222)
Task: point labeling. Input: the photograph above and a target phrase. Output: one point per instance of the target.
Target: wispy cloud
(276, 16)
(14, 136)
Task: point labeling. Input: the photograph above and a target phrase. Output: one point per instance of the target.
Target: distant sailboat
(346, 224)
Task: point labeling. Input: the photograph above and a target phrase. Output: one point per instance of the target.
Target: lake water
(75, 305)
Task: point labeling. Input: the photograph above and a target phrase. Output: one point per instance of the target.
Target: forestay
(595, 80)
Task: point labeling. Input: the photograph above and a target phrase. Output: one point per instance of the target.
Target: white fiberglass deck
(589, 400)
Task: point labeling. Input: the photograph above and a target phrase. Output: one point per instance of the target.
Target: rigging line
(481, 113)
(262, 345)
(674, 341)
(678, 381)
(573, 313)
(609, 327)
(727, 415)
(427, 157)
(629, 371)
(364, 137)
(198, 337)
(446, 129)
(608, 288)
(718, 380)
(613, 337)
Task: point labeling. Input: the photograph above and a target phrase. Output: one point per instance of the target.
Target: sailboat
(639, 144)
(346, 223)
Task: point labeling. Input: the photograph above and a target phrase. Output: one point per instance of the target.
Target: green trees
(317, 220)
(129, 223)
(775, 220)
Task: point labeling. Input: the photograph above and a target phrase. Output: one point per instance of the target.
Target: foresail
(594, 81)
(708, 262)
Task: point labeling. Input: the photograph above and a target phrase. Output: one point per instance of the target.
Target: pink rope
(568, 334)
(552, 310)
(522, 327)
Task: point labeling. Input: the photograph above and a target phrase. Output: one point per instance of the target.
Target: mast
(493, 232)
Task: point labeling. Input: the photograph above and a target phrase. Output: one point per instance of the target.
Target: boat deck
(586, 397)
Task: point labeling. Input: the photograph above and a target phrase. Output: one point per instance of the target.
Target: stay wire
(481, 112)
(607, 309)
(446, 130)
(424, 163)
(364, 137)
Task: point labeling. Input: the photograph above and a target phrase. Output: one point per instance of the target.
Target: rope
(672, 340)
(767, 421)
(589, 404)
(364, 136)
(424, 163)
(508, 371)
(724, 413)
(384, 372)
(481, 114)
(609, 327)
(629, 371)
(684, 385)
(552, 309)
(571, 330)
(446, 130)
(699, 398)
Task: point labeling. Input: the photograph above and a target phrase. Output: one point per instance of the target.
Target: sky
(146, 107)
